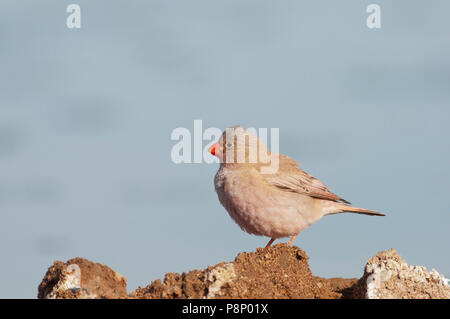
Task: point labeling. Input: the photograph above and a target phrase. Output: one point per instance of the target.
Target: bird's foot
(292, 239)
(269, 243)
(273, 239)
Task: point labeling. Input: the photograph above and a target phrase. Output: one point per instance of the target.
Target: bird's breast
(259, 208)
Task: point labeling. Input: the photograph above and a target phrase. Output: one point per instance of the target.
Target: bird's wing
(291, 178)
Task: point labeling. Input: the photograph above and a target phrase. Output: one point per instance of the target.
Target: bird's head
(239, 145)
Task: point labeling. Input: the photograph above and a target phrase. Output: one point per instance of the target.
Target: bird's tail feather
(343, 208)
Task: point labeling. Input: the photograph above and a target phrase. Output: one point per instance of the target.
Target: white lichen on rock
(70, 280)
(389, 276)
(218, 277)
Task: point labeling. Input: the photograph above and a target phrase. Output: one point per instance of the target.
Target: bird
(275, 204)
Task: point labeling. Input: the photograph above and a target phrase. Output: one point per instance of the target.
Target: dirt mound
(278, 272)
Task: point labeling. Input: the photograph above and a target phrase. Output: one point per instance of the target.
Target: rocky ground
(278, 272)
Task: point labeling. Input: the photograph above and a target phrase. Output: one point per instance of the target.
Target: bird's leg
(292, 239)
(269, 243)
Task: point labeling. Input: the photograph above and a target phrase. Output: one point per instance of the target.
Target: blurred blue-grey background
(86, 117)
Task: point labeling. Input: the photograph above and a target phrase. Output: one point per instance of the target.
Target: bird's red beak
(215, 149)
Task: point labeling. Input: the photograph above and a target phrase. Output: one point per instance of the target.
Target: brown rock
(80, 278)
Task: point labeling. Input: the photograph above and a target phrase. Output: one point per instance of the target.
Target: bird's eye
(229, 145)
